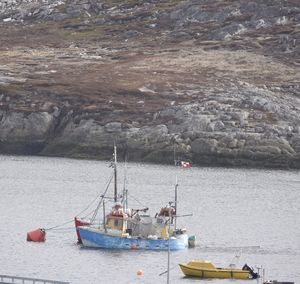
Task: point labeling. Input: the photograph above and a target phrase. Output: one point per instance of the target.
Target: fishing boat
(124, 228)
(206, 269)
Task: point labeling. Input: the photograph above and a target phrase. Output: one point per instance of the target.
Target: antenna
(169, 229)
(125, 192)
(176, 187)
(115, 173)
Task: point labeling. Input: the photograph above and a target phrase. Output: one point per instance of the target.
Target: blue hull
(98, 239)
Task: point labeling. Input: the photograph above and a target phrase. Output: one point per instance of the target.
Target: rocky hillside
(218, 79)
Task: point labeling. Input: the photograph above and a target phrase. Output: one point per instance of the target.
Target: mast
(104, 221)
(124, 194)
(115, 174)
(168, 271)
(176, 186)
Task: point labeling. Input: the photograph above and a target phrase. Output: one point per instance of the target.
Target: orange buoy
(38, 235)
(139, 272)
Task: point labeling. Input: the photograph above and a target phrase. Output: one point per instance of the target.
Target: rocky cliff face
(217, 79)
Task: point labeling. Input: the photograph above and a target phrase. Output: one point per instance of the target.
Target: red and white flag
(185, 164)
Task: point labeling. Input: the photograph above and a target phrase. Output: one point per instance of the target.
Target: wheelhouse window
(115, 223)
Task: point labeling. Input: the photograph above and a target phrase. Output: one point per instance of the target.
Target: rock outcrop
(217, 80)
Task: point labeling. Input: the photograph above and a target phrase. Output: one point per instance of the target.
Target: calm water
(253, 211)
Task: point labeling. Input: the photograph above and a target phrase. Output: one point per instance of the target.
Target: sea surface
(251, 213)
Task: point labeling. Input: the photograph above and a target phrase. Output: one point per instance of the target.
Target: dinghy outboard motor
(253, 275)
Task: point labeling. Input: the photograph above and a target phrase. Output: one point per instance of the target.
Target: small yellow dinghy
(205, 269)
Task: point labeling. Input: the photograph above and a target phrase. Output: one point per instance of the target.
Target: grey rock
(113, 127)
(204, 146)
(17, 126)
(219, 126)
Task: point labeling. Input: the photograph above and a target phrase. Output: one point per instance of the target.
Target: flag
(185, 164)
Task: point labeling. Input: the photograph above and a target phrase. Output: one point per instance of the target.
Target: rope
(102, 197)
(64, 229)
(131, 196)
(57, 226)
(89, 205)
(167, 270)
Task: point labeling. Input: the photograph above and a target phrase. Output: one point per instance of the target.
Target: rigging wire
(64, 229)
(131, 196)
(101, 200)
(60, 225)
(89, 205)
(167, 270)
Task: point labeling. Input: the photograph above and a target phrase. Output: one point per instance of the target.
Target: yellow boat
(205, 269)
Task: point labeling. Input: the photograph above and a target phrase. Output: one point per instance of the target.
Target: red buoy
(38, 235)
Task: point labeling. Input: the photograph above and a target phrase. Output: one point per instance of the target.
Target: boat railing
(6, 279)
